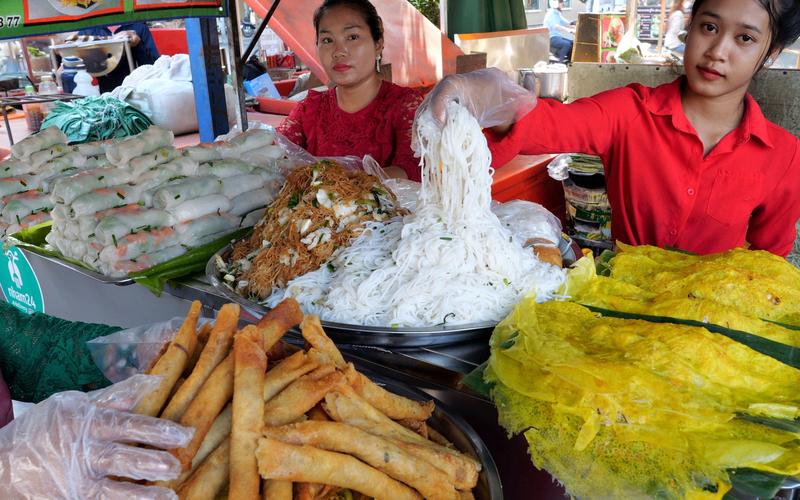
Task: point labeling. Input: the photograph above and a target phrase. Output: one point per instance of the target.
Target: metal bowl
(101, 57)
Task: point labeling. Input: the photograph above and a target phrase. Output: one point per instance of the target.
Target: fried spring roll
(277, 490)
(286, 372)
(217, 347)
(373, 450)
(300, 396)
(220, 431)
(202, 339)
(315, 335)
(203, 410)
(392, 405)
(170, 366)
(277, 460)
(250, 365)
(347, 407)
(210, 477)
(278, 321)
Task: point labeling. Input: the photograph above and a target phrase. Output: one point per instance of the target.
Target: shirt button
(673, 232)
(690, 191)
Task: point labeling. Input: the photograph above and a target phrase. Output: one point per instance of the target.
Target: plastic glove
(489, 94)
(68, 445)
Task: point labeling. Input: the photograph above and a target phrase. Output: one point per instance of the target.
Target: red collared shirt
(661, 188)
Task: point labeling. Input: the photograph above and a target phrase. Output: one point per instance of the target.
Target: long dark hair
(363, 7)
(784, 22)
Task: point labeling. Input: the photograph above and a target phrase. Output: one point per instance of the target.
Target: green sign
(20, 18)
(20, 284)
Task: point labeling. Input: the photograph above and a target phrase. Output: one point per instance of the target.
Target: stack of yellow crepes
(616, 407)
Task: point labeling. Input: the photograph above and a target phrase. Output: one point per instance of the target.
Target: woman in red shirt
(692, 164)
(362, 114)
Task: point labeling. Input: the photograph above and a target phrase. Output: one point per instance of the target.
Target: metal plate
(456, 430)
(365, 335)
(122, 281)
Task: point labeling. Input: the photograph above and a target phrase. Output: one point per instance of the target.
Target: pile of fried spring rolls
(276, 422)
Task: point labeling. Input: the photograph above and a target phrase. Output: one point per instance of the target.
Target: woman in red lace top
(362, 114)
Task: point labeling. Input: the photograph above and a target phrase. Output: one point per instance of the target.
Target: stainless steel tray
(122, 281)
(456, 430)
(344, 333)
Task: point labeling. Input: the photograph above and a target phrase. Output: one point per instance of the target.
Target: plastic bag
(129, 352)
(406, 192)
(528, 221)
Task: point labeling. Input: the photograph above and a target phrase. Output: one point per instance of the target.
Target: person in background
(362, 114)
(693, 164)
(143, 49)
(675, 23)
(562, 32)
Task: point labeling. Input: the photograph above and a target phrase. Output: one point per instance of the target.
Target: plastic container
(83, 84)
(70, 65)
(33, 112)
(47, 87)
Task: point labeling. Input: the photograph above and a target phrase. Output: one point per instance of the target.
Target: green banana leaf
(192, 262)
(752, 483)
(475, 380)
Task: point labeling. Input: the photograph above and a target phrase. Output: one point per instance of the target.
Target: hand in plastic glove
(489, 94)
(68, 445)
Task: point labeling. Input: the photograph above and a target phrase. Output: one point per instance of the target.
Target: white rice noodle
(451, 261)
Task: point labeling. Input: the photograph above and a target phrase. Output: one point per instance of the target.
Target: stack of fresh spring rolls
(152, 203)
(36, 163)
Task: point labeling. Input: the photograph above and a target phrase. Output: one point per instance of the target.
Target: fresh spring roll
(37, 142)
(225, 168)
(177, 192)
(134, 245)
(19, 184)
(145, 261)
(237, 184)
(39, 158)
(70, 162)
(21, 207)
(203, 153)
(71, 230)
(247, 141)
(251, 200)
(28, 221)
(198, 207)
(97, 148)
(66, 189)
(167, 172)
(86, 226)
(190, 233)
(151, 139)
(115, 227)
(103, 199)
(59, 213)
(15, 167)
(253, 217)
(142, 164)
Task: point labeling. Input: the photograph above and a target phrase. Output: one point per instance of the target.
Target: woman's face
(726, 43)
(345, 47)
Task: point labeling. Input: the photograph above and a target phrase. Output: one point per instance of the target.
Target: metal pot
(527, 79)
(551, 80)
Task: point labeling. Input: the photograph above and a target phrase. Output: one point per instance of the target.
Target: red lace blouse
(382, 129)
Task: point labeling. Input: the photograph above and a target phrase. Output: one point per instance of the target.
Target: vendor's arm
(585, 126)
(403, 163)
(41, 354)
(772, 225)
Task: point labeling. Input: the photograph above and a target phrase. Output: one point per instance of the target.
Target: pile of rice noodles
(451, 261)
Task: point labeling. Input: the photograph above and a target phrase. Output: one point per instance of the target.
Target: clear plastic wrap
(528, 221)
(126, 353)
(70, 445)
